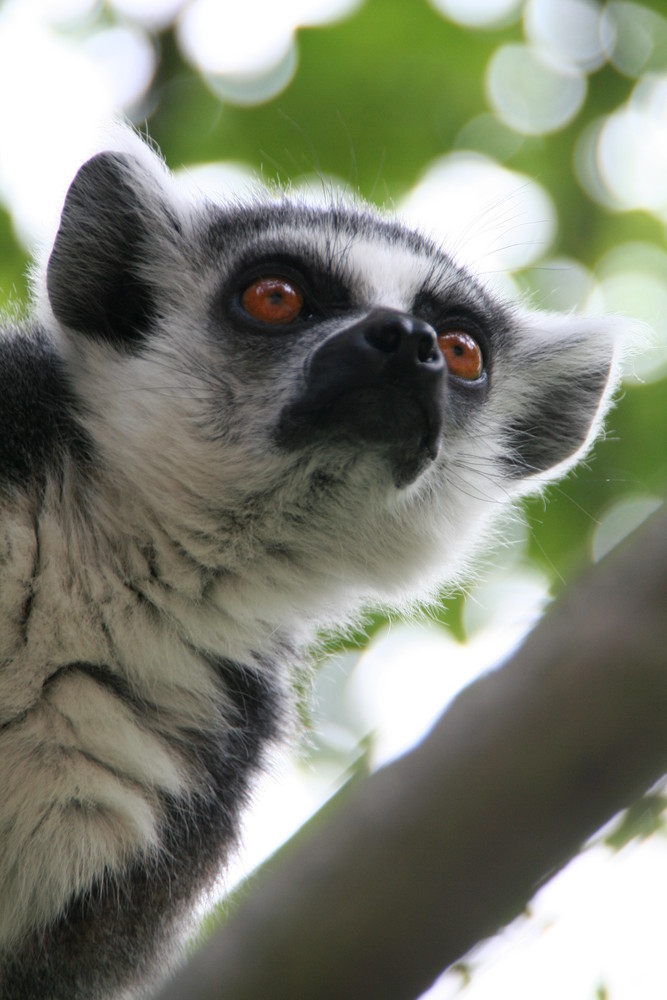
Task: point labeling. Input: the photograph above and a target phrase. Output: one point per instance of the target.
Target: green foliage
(12, 265)
(644, 818)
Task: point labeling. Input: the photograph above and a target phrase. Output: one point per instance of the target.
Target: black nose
(379, 383)
(411, 339)
(389, 351)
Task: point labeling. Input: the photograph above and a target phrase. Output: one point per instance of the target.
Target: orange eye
(462, 354)
(273, 300)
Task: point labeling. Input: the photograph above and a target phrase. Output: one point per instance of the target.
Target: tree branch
(440, 849)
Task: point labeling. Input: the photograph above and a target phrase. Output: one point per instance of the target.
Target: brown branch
(440, 849)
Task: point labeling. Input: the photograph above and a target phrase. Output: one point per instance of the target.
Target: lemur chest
(63, 604)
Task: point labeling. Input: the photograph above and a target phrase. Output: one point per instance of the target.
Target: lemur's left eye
(462, 354)
(273, 300)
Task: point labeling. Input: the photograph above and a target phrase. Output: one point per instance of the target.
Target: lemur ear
(563, 371)
(93, 276)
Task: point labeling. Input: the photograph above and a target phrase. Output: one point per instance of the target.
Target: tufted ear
(558, 390)
(94, 278)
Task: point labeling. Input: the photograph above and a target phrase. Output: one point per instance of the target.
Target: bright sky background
(601, 919)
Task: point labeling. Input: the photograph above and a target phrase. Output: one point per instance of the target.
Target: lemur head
(327, 380)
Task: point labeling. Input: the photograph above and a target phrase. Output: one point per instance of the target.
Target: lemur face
(326, 355)
(384, 343)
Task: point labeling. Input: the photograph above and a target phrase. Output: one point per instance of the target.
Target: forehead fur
(385, 261)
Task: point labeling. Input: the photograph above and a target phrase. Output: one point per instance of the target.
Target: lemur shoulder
(223, 428)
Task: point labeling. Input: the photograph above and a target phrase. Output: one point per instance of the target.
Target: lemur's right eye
(273, 300)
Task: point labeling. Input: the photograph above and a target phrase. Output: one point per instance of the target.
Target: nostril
(399, 334)
(427, 349)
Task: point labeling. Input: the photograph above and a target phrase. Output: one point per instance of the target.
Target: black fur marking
(30, 595)
(145, 602)
(102, 675)
(557, 424)
(252, 221)
(116, 918)
(93, 275)
(37, 410)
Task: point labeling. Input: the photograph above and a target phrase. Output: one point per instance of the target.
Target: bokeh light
(569, 31)
(554, 97)
(126, 58)
(632, 149)
(561, 284)
(64, 115)
(477, 13)
(633, 282)
(399, 713)
(636, 37)
(153, 14)
(247, 51)
(492, 219)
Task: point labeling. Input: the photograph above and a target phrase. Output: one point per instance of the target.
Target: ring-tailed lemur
(224, 428)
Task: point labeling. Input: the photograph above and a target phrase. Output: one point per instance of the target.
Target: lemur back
(223, 428)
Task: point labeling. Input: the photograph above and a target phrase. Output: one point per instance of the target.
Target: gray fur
(182, 507)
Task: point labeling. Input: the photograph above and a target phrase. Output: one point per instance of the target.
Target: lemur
(223, 428)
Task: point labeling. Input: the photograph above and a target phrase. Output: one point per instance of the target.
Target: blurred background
(531, 138)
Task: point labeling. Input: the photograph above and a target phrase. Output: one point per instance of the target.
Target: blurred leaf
(644, 818)
(13, 264)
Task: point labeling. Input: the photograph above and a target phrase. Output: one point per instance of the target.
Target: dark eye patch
(324, 294)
